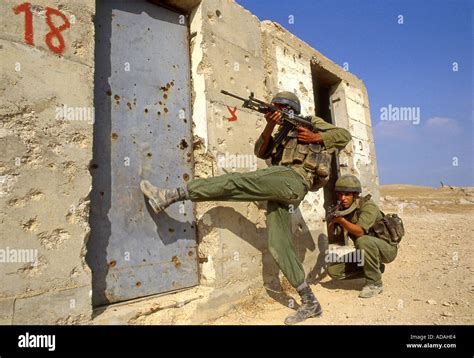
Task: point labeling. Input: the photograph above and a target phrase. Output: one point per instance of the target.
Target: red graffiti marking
(25, 7)
(232, 113)
(55, 31)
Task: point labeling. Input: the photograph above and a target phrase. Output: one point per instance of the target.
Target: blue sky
(402, 65)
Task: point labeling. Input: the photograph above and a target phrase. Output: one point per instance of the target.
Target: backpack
(390, 228)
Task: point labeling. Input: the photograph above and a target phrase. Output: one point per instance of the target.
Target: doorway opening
(324, 84)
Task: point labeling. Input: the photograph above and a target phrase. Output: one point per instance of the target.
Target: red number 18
(55, 31)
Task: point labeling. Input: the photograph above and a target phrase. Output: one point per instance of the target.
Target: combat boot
(160, 198)
(309, 308)
(371, 290)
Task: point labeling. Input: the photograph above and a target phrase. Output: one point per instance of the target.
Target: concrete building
(96, 97)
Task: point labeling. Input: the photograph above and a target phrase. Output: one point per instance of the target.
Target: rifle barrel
(232, 95)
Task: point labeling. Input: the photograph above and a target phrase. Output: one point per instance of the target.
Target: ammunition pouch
(314, 158)
(289, 151)
(389, 228)
(318, 160)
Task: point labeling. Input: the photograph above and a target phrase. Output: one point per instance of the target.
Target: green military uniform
(283, 186)
(375, 250)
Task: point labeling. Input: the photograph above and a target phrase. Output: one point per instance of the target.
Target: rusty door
(142, 130)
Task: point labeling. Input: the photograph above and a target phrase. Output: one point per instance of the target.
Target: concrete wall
(44, 193)
(226, 53)
(44, 174)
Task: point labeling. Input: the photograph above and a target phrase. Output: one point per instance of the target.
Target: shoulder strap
(362, 201)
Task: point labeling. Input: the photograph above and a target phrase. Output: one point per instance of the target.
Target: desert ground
(430, 282)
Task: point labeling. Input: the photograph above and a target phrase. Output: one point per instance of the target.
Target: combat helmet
(289, 99)
(348, 183)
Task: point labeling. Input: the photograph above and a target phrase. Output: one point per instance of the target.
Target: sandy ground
(430, 282)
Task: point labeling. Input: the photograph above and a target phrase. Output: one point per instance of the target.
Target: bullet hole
(138, 284)
(165, 96)
(183, 144)
(169, 126)
(94, 166)
(166, 110)
(190, 254)
(170, 229)
(163, 88)
(108, 93)
(114, 136)
(148, 29)
(143, 260)
(176, 261)
(117, 97)
(135, 84)
(148, 154)
(185, 177)
(146, 110)
(172, 83)
(202, 260)
(218, 14)
(134, 101)
(102, 193)
(158, 113)
(129, 105)
(161, 103)
(167, 178)
(174, 66)
(112, 263)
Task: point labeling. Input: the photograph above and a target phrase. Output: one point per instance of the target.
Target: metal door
(142, 130)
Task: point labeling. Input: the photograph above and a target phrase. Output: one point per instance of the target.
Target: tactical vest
(313, 157)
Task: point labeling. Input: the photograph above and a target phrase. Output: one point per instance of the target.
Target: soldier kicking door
(142, 130)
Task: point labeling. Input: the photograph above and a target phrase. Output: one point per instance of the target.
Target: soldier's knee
(365, 241)
(335, 272)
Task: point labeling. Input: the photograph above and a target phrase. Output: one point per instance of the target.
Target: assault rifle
(336, 210)
(291, 121)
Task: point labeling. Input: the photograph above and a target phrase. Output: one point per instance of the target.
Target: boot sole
(378, 293)
(315, 315)
(154, 205)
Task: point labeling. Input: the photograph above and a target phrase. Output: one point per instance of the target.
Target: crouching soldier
(301, 162)
(360, 214)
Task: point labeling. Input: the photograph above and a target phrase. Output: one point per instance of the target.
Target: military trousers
(282, 187)
(374, 251)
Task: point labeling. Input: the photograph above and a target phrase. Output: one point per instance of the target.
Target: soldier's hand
(273, 118)
(336, 220)
(307, 136)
